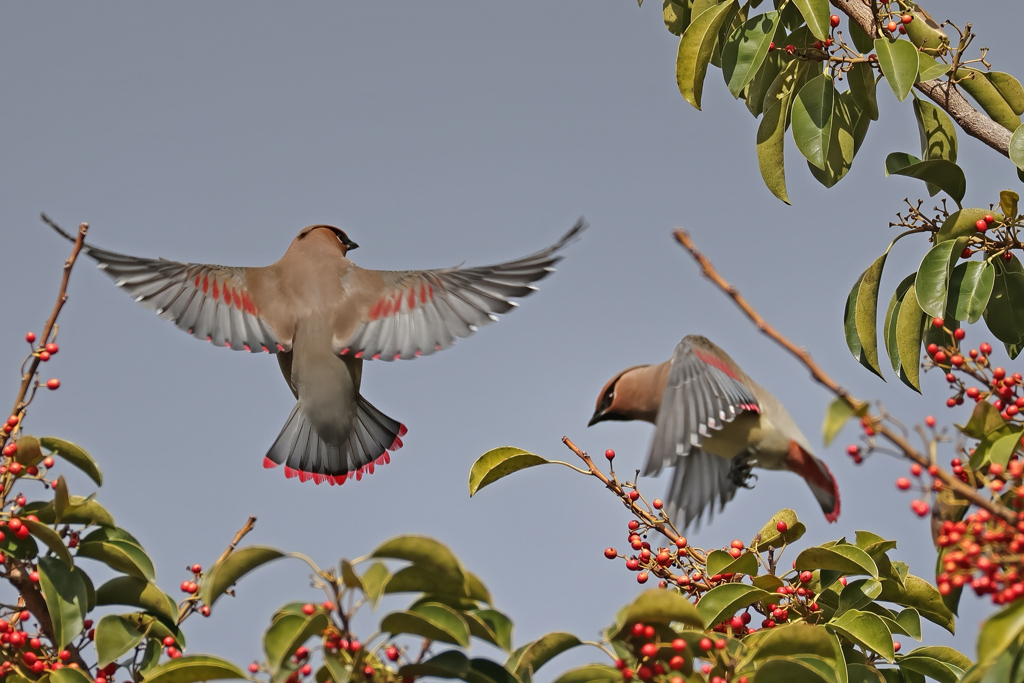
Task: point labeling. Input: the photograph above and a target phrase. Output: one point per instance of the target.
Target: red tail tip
(268, 464)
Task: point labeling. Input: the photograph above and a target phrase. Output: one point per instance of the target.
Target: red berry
(53, 383)
(892, 26)
(681, 542)
(44, 356)
(737, 544)
(52, 348)
(676, 663)
(641, 577)
(308, 609)
(301, 652)
(649, 650)
(957, 360)
(790, 49)
(938, 322)
(12, 421)
(916, 470)
(632, 564)
(633, 525)
(834, 20)
(14, 468)
(906, 19)
(940, 356)
(771, 46)
(981, 225)
(720, 644)
(638, 630)
(985, 348)
(307, 669)
(33, 576)
(197, 568)
(897, 645)
(610, 454)
(930, 421)
(781, 527)
(10, 449)
(657, 503)
(254, 668)
(627, 674)
(706, 644)
(806, 576)
(30, 337)
(903, 483)
(634, 495)
(959, 333)
(678, 644)
(989, 218)
(392, 653)
(48, 461)
(611, 553)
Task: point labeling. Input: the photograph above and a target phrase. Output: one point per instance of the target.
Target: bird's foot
(740, 473)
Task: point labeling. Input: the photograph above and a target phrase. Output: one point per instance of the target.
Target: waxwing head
(338, 234)
(613, 404)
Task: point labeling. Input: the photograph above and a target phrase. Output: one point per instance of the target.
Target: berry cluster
(985, 552)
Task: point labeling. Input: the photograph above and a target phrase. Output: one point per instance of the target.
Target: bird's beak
(350, 244)
(598, 417)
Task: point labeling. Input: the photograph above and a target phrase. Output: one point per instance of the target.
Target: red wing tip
(268, 464)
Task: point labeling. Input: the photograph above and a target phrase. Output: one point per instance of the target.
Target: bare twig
(875, 422)
(246, 528)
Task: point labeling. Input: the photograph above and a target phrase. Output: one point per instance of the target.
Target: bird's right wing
(703, 392)
(697, 481)
(415, 313)
(209, 302)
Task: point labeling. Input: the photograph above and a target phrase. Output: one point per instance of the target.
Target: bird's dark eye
(606, 400)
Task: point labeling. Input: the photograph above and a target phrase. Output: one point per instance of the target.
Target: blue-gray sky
(434, 133)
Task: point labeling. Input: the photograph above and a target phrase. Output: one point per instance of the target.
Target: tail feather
(306, 456)
(818, 476)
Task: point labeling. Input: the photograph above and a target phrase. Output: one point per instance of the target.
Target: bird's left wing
(209, 302)
(415, 313)
(702, 393)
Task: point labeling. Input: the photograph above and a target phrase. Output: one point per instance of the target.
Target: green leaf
(762, 81)
(431, 620)
(492, 626)
(770, 537)
(724, 563)
(853, 340)
(837, 415)
(591, 673)
(66, 598)
(812, 119)
(865, 629)
(988, 96)
(924, 32)
(416, 579)
(51, 539)
(192, 668)
(1010, 89)
(897, 161)
(485, 671)
(970, 287)
(75, 455)
(816, 14)
(80, 510)
(1000, 631)
(1008, 201)
(424, 552)
(676, 16)
(746, 50)
(721, 602)
(21, 548)
(657, 607)
(861, 673)
(227, 572)
(797, 639)
(695, 48)
(500, 462)
(64, 675)
(771, 132)
(936, 129)
(932, 284)
(922, 596)
(119, 554)
(933, 667)
(287, 632)
(929, 68)
(848, 559)
(940, 173)
(1005, 312)
(960, 224)
(115, 635)
(908, 338)
(861, 40)
(891, 318)
(857, 594)
(448, 664)
(28, 454)
(128, 590)
(798, 668)
(985, 419)
(529, 658)
(866, 312)
(909, 620)
(339, 672)
(375, 580)
(898, 61)
(1016, 150)
(862, 84)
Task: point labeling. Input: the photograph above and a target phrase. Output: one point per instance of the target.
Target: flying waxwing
(713, 423)
(323, 316)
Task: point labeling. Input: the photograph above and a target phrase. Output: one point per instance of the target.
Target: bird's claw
(740, 472)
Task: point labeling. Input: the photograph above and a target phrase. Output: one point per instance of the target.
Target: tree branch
(874, 421)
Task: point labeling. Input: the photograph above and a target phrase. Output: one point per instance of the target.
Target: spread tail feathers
(818, 477)
(306, 456)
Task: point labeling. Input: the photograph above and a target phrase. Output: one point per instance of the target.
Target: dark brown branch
(975, 123)
(875, 421)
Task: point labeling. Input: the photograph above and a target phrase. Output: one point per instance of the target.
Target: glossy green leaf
(695, 48)
(51, 539)
(940, 173)
(762, 81)
(797, 668)
(1016, 151)
(899, 63)
(933, 276)
(21, 548)
(448, 664)
(865, 629)
(988, 96)
(891, 318)
(80, 510)
(908, 339)
(375, 580)
(227, 572)
(193, 668)
(960, 224)
(529, 658)
(73, 454)
(657, 607)
(1005, 312)
(796, 639)
(498, 463)
(771, 537)
(812, 119)
(66, 598)
(349, 576)
(984, 420)
(721, 602)
(746, 50)
(445, 618)
(936, 130)
(446, 629)
(861, 40)
(115, 635)
(847, 559)
(771, 132)
(63, 675)
(1000, 631)
(853, 340)
(929, 68)
(1008, 201)
(856, 594)
(676, 16)
(121, 555)
(416, 579)
(486, 671)
(128, 590)
(156, 627)
(931, 667)
(922, 596)
(866, 312)
(591, 673)
(287, 632)
(897, 161)
(1009, 88)
(492, 626)
(925, 32)
(816, 14)
(862, 84)
(970, 287)
(909, 620)
(837, 415)
(861, 673)
(29, 453)
(423, 552)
